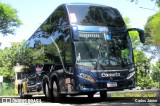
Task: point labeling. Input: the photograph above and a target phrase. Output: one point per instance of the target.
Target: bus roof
(82, 3)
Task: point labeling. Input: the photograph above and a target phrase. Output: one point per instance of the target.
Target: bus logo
(110, 74)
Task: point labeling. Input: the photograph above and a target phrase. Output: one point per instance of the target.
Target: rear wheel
(57, 96)
(103, 94)
(47, 93)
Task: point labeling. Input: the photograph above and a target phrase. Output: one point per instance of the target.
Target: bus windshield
(115, 52)
(95, 16)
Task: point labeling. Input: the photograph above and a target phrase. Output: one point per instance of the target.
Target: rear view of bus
(103, 49)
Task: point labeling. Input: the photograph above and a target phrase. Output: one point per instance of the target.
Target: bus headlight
(86, 77)
(131, 74)
(132, 69)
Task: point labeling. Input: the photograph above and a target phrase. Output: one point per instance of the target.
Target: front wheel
(90, 96)
(103, 94)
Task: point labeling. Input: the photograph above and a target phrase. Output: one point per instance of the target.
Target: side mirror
(141, 33)
(75, 34)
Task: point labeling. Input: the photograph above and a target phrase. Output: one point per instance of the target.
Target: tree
(152, 29)
(143, 70)
(133, 34)
(8, 19)
(153, 34)
(7, 60)
(141, 61)
(157, 2)
(156, 74)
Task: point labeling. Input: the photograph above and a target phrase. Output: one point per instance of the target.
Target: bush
(7, 89)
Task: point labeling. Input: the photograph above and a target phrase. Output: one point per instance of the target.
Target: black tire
(47, 92)
(103, 94)
(21, 92)
(57, 96)
(90, 96)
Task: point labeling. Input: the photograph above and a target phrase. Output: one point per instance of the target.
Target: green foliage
(127, 21)
(7, 89)
(143, 70)
(156, 74)
(142, 62)
(8, 60)
(8, 19)
(152, 29)
(158, 3)
(133, 35)
(153, 34)
(144, 81)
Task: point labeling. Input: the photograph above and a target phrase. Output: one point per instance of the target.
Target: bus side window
(65, 49)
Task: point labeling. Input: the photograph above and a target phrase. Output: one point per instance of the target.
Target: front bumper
(102, 86)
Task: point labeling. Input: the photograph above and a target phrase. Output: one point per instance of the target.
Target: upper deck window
(95, 16)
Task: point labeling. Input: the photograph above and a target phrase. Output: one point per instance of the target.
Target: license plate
(112, 84)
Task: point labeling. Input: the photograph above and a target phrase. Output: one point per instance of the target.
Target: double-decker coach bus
(85, 48)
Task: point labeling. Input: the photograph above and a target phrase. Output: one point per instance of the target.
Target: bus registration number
(112, 84)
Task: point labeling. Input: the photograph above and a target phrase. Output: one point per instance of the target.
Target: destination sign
(91, 35)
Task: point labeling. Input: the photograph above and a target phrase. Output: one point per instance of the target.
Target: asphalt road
(96, 101)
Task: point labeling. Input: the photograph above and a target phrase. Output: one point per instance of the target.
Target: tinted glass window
(116, 52)
(68, 56)
(64, 48)
(95, 15)
(56, 22)
(59, 17)
(24, 54)
(43, 45)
